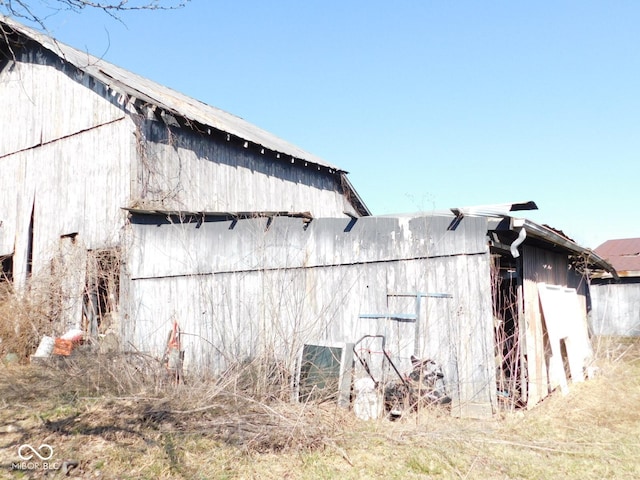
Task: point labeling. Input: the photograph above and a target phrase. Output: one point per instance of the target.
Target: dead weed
(116, 420)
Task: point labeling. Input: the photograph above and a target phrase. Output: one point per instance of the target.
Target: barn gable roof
(169, 101)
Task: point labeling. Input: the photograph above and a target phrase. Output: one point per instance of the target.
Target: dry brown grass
(23, 321)
(114, 418)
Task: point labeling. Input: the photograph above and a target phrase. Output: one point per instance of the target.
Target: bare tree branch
(38, 12)
(29, 9)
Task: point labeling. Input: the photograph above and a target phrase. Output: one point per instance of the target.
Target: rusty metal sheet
(623, 254)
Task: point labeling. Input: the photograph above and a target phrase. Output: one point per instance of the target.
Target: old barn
(499, 302)
(83, 140)
(141, 207)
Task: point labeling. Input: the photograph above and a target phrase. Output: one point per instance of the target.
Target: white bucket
(367, 404)
(46, 347)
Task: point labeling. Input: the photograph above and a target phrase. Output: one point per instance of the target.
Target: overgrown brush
(118, 415)
(24, 319)
(236, 408)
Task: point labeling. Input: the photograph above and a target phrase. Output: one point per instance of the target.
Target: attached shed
(498, 302)
(616, 303)
(541, 298)
(83, 139)
(245, 287)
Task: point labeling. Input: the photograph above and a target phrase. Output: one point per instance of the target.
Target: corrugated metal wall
(241, 288)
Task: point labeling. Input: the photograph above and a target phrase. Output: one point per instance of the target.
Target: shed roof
(171, 101)
(623, 254)
(500, 219)
(503, 219)
(558, 238)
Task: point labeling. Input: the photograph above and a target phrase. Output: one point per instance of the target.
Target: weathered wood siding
(240, 289)
(73, 153)
(616, 309)
(65, 154)
(79, 152)
(179, 169)
(43, 101)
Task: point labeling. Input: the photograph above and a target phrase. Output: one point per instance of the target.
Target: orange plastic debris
(62, 347)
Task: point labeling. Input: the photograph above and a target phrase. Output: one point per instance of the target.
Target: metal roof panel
(623, 253)
(126, 82)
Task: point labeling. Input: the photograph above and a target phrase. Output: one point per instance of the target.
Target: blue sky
(428, 104)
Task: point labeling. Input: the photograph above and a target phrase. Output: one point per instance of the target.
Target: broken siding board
(537, 385)
(10, 182)
(23, 240)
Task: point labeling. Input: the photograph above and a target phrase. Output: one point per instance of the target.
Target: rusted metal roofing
(623, 254)
(559, 232)
(124, 82)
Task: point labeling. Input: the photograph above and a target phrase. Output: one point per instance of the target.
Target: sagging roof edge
(168, 100)
(548, 235)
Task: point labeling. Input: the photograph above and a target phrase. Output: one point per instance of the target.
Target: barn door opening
(509, 348)
(6, 274)
(101, 296)
(6, 268)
